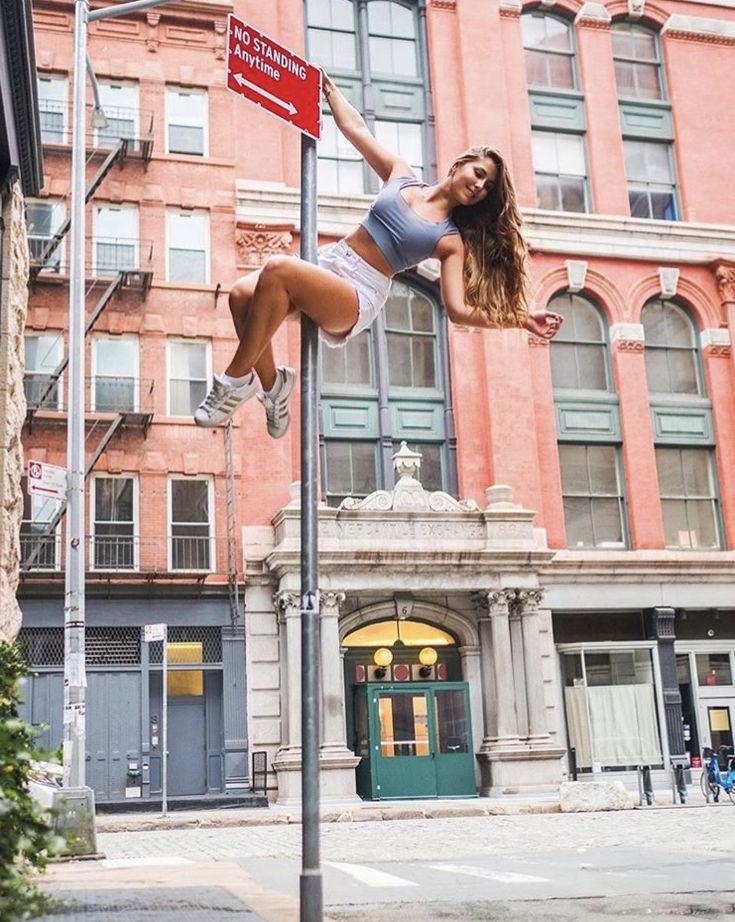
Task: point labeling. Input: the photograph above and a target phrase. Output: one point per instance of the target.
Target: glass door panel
(403, 744)
(455, 760)
(719, 721)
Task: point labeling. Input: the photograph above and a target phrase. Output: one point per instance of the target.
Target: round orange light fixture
(428, 656)
(383, 657)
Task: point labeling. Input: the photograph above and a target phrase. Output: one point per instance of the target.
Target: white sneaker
(277, 415)
(222, 401)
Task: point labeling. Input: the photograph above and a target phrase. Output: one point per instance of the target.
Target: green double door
(419, 741)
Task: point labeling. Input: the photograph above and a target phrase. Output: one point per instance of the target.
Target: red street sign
(273, 77)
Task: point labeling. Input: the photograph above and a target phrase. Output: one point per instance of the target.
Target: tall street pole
(311, 898)
(75, 681)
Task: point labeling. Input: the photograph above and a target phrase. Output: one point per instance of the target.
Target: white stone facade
(468, 571)
(12, 404)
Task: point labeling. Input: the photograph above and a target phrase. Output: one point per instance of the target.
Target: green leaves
(26, 839)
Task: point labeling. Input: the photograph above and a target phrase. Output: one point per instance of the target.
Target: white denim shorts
(371, 286)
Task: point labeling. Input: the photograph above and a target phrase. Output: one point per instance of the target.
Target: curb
(265, 817)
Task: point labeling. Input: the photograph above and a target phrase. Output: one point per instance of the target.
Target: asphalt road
(656, 864)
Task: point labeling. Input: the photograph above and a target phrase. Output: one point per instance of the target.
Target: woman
(469, 222)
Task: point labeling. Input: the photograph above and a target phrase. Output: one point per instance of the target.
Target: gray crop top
(402, 236)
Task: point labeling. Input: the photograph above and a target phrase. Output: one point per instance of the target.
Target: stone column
(337, 762)
(528, 601)
(505, 699)
(287, 763)
(234, 706)
(487, 674)
(518, 654)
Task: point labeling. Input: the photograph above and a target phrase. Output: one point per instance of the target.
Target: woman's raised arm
(353, 126)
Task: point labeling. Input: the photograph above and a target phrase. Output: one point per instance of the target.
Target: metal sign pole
(164, 725)
(311, 876)
(74, 666)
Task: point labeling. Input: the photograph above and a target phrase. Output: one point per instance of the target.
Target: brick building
(471, 639)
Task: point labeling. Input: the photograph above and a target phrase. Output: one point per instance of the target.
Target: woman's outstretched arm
(353, 126)
(542, 323)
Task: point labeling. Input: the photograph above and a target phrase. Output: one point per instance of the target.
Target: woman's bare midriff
(363, 244)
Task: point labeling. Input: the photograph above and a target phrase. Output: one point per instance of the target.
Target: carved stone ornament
(408, 494)
(725, 276)
(220, 29)
(444, 5)
(287, 603)
(636, 8)
(528, 601)
(494, 601)
(331, 600)
(256, 242)
(629, 345)
(152, 41)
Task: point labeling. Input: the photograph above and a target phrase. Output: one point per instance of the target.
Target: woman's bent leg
(241, 297)
(286, 284)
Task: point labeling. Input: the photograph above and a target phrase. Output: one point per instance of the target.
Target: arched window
(557, 112)
(588, 427)
(637, 61)
(548, 45)
(378, 55)
(672, 360)
(579, 352)
(685, 457)
(398, 363)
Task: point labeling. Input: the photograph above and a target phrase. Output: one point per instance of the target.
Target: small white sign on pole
(153, 632)
(46, 480)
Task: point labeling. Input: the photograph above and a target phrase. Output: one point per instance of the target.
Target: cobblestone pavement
(695, 830)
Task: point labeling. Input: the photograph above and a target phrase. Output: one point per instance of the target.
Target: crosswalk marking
(372, 877)
(502, 877)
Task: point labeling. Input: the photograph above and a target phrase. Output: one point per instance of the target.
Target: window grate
(104, 646)
(209, 637)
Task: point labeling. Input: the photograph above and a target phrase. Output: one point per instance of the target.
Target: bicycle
(713, 781)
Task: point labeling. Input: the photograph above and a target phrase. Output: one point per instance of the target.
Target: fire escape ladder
(53, 380)
(117, 154)
(235, 608)
(53, 523)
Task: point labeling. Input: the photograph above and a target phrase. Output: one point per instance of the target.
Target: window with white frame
(548, 44)
(114, 373)
(44, 352)
(592, 492)
(189, 375)
(647, 126)
(116, 242)
(561, 171)
(187, 246)
(114, 518)
(120, 105)
(579, 352)
(43, 219)
(53, 108)
(39, 544)
(384, 65)
(186, 121)
(637, 61)
(688, 490)
(651, 186)
(191, 525)
(398, 362)
(672, 354)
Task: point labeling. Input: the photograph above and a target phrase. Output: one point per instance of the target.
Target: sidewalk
(359, 812)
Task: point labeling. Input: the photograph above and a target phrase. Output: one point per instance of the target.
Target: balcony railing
(132, 125)
(104, 393)
(126, 554)
(105, 257)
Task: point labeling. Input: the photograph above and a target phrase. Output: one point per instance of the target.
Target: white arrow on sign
(288, 106)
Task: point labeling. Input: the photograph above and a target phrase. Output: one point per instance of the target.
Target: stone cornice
(700, 29)
(546, 231)
(638, 566)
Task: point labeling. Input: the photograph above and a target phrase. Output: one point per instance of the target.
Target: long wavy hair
(495, 271)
